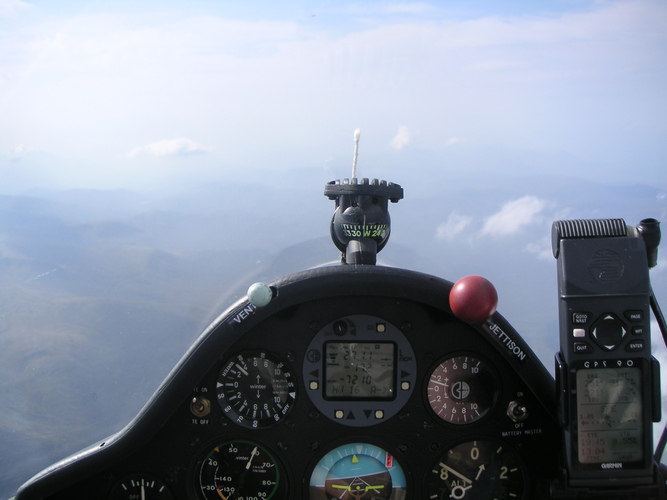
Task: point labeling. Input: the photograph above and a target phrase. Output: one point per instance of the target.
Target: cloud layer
(453, 227)
(8, 7)
(170, 147)
(401, 139)
(513, 216)
(103, 82)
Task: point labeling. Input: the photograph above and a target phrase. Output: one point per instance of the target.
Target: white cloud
(401, 139)
(11, 6)
(170, 147)
(454, 226)
(542, 249)
(22, 149)
(513, 216)
(453, 141)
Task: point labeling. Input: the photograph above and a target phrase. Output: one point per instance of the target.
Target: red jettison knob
(473, 299)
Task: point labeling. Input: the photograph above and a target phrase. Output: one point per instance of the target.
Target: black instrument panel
(353, 382)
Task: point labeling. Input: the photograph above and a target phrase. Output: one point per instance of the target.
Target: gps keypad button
(581, 318)
(608, 332)
(635, 346)
(638, 330)
(635, 315)
(582, 348)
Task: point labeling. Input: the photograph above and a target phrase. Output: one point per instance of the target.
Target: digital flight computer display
(359, 370)
(363, 370)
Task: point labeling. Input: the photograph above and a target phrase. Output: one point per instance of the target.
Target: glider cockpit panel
(350, 382)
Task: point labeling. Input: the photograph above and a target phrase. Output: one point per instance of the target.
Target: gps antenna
(361, 225)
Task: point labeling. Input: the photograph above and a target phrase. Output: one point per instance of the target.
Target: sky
(147, 145)
(96, 94)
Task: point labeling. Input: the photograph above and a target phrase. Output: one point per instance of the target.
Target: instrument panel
(354, 382)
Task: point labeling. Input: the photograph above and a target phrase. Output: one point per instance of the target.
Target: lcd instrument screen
(360, 370)
(609, 412)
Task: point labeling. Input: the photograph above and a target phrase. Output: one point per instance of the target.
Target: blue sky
(93, 95)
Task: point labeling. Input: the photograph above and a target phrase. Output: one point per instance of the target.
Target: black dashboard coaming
(166, 439)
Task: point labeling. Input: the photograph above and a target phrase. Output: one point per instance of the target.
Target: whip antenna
(357, 134)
